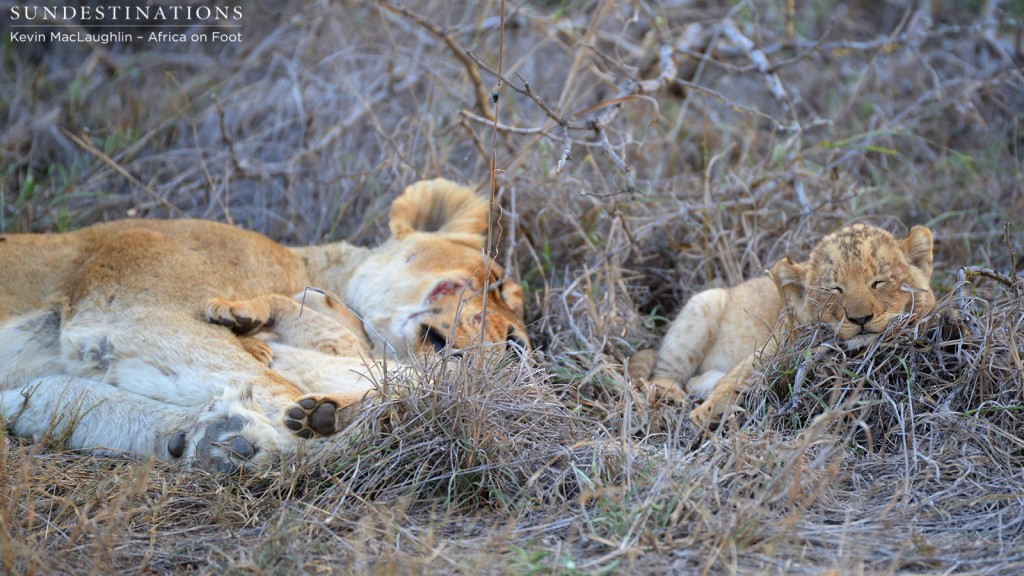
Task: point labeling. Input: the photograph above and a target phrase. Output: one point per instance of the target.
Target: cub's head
(424, 288)
(858, 279)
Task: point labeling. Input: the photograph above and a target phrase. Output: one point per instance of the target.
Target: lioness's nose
(516, 340)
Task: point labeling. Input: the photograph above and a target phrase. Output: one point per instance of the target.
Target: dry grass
(906, 458)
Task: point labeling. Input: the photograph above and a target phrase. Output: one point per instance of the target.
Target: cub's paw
(314, 416)
(663, 391)
(228, 444)
(712, 411)
(641, 365)
(259, 349)
(242, 316)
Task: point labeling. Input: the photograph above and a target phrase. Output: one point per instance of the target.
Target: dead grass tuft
(477, 435)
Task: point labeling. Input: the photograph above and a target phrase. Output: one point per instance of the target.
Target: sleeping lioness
(122, 336)
(855, 281)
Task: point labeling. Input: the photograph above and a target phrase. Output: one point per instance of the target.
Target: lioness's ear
(792, 278)
(918, 246)
(438, 206)
(512, 294)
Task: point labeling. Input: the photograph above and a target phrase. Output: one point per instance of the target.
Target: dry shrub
(460, 437)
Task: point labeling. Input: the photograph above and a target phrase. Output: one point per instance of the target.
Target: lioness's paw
(241, 316)
(314, 415)
(259, 349)
(228, 444)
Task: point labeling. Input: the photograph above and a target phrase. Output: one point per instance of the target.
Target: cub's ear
(438, 206)
(918, 246)
(791, 278)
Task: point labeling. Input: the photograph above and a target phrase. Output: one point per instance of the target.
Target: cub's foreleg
(724, 392)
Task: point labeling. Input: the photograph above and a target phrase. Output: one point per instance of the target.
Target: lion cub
(856, 280)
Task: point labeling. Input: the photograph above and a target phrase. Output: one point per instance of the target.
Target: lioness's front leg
(86, 414)
(320, 415)
(289, 322)
(259, 349)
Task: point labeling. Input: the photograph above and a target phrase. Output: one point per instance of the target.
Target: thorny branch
(461, 53)
(598, 118)
(965, 275)
(604, 112)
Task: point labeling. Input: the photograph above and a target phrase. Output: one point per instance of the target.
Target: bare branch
(760, 61)
(566, 150)
(453, 45)
(502, 127)
(604, 112)
(627, 171)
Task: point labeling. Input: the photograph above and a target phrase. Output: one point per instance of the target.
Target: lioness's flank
(855, 281)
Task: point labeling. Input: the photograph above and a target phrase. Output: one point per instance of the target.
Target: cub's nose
(861, 320)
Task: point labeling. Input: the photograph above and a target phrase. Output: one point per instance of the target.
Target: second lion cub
(856, 280)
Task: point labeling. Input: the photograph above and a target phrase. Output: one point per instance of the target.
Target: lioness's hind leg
(95, 416)
(231, 440)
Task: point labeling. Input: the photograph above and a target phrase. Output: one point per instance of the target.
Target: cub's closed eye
(433, 337)
(877, 283)
(836, 289)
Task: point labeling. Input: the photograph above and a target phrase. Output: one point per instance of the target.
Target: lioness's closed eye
(856, 280)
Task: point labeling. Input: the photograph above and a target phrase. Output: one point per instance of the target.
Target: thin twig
(457, 50)
(88, 147)
(605, 111)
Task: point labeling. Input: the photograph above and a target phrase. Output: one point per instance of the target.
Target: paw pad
(312, 417)
(234, 450)
(176, 445)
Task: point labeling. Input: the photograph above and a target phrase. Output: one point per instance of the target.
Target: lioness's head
(858, 279)
(423, 289)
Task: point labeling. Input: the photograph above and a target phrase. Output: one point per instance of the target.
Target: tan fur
(149, 311)
(856, 281)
